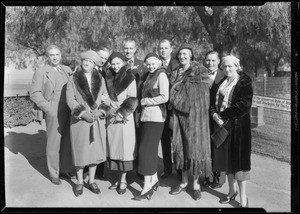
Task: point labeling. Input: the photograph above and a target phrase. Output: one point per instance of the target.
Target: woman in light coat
(121, 140)
(87, 97)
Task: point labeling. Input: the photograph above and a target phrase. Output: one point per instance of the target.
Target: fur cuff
(128, 106)
(104, 107)
(77, 110)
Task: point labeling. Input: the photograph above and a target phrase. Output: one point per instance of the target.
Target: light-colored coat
(151, 112)
(121, 137)
(84, 150)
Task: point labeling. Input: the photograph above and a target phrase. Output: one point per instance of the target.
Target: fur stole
(117, 82)
(81, 83)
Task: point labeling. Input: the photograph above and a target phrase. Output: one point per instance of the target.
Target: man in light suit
(165, 52)
(48, 92)
(212, 61)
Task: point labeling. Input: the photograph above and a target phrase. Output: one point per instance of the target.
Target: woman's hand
(218, 119)
(88, 117)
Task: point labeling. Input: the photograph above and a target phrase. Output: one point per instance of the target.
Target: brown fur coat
(189, 99)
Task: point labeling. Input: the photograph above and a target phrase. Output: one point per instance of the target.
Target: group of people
(115, 109)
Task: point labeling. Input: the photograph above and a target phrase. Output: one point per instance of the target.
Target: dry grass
(272, 141)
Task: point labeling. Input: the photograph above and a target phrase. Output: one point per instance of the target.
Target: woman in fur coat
(230, 108)
(121, 86)
(87, 97)
(189, 102)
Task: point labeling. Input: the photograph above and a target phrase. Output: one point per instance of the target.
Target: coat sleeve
(163, 85)
(241, 106)
(77, 109)
(36, 91)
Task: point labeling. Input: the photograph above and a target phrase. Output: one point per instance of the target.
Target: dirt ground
(27, 183)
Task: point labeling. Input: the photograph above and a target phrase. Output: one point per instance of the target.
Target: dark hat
(117, 55)
(186, 46)
(151, 55)
(90, 54)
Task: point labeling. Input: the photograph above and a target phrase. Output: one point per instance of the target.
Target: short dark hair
(129, 40)
(212, 52)
(164, 40)
(103, 48)
(50, 47)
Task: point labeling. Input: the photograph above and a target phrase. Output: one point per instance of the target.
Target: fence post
(265, 84)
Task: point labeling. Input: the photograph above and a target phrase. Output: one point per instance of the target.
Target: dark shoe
(144, 196)
(228, 199)
(178, 190)
(207, 183)
(155, 186)
(164, 175)
(114, 186)
(216, 185)
(121, 191)
(196, 194)
(140, 176)
(101, 177)
(94, 188)
(55, 181)
(78, 190)
(67, 175)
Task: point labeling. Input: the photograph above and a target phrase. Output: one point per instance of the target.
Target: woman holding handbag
(230, 109)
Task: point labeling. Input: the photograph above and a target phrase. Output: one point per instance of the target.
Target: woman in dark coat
(86, 95)
(231, 109)
(189, 102)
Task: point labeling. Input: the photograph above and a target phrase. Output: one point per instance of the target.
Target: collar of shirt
(131, 61)
(213, 72)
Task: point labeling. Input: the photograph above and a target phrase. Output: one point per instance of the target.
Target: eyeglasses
(88, 60)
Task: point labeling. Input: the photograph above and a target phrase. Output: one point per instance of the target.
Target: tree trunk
(276, 62)
(211, 22)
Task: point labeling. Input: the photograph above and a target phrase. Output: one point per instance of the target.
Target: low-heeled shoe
(178, 190)
(196, 194)
(78, 190)
(164, 175)
(55, 181)
(94, 188)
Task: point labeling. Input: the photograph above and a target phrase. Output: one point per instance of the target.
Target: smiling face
(185, 56)
(152, 64)
(165, 50)
(116, 64)
(129, 49)
(212, 61)
(88, 65)
(229, 68)
(54, 57)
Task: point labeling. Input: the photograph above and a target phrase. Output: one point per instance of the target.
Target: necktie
(130, 62)
(165, 63)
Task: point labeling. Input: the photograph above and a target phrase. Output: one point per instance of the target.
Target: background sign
(271, 102)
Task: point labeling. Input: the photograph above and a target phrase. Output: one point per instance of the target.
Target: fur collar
(81, 83)
(117, 82)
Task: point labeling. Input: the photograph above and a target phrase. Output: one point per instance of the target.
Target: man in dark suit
(212, 61)
(48, 92)
(165, 52)
(140, 72)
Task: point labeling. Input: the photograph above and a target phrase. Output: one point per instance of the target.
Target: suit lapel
(220, 75)
(50, 73)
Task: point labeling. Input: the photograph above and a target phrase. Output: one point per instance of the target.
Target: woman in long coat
(121, 140)
(189, 101)
(230, 108)
(86, 96)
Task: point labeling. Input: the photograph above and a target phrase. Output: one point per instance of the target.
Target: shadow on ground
(31, 146)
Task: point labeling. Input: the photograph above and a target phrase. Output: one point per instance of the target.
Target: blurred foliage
(17, 111)
(259, 35)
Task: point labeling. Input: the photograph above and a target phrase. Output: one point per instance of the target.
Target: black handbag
(219, 136)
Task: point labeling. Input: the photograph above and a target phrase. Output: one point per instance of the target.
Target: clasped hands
(93, 115)
(218, 119)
